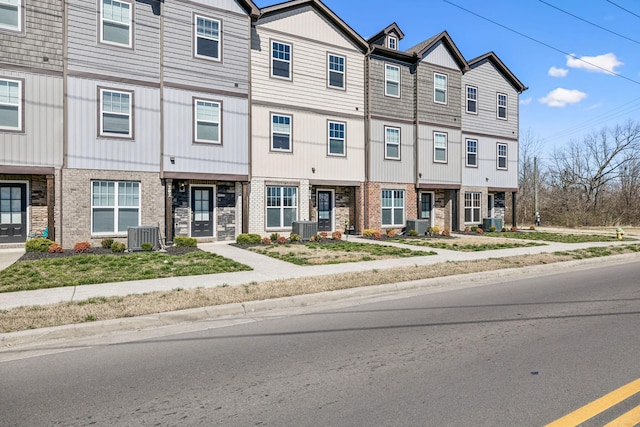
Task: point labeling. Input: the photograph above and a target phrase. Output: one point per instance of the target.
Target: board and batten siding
(391, 170)
(88, 151)
(230, 157)
(389, 106)
(428, 110)
(88, 55)
(487, 174)
(439, 173)
(40, 144)
(440, 55)
(309, 148)
(231, 73)
(490, 82)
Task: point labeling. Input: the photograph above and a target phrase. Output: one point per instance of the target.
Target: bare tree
(530, 146)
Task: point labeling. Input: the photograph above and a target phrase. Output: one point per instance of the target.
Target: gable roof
(393, 28)
(324, 11)
(250, 7)
(421, 48)
(493, 58)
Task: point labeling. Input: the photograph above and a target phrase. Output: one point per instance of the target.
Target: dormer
(389, 37)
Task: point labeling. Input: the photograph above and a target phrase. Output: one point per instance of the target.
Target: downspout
(168, 183)
(416, 136)
(65, 113)
(367, 138)
(246, 187)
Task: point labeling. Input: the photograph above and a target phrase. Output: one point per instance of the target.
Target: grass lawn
(94, 268)
(554, 237)
(334, 252)
(453, 245)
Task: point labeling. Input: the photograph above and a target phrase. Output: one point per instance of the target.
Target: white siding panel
(230, 157)
(487, 174)
(439, 55)
(386, 170)
(439, 173)
(231, 5)
(87, 151)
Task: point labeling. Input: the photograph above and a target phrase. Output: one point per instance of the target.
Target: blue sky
(568, 97)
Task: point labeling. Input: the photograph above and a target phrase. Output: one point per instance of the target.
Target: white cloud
(558, 72)
(526, 101)
(562, 97)
(606, 63)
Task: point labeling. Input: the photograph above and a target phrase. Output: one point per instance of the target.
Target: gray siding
(431, 112)
(487, 173)
(87, 54)
(439, 173)
(388, 106)
(387, 170)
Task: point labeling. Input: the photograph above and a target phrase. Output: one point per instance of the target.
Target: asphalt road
(522, 353)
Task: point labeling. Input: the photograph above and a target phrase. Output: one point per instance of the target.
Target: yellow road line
(598, 406)
(630, 419)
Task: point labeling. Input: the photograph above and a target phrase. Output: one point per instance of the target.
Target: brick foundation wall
(373, 211)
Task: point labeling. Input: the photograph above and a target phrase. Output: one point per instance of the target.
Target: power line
(626, 10)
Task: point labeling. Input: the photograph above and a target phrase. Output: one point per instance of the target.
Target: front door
(426, 203)
(490, 205)
(325, 210)
(202, 205)
(13, 212)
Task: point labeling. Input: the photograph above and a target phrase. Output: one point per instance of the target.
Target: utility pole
(535, 191)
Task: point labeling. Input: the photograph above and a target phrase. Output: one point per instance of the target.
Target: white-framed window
(11, 105)
(282, 206)
(337, 139)
(392, 208)
(11, 15)
(116, 113)
(281, 60)
(391, 143)
(336, 66)
(440, 147)
(501, 101)
(207, 33)
(501, 156)
(116, 22)
(392, 42)
(472, 206)
(472, 99)
(281, 132)
(472, 152)
(440, 88)
(392, 80)
(207, 121)
(115, 206)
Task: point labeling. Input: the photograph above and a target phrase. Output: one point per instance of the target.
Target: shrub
(336, 235)
(446, 232)
(274, 237)
(147, 246)
(39, 244)
(514, 229)
(82, 247)
(412, 233)
(474, 228)
(282, 240)
(266, 241)
(391, 232)
(106, 243)
(294, 237)
(533, 227)
(324, 235)
(504, 230)
(479, 230)
(55, 249)
(467, 229)
(368, 232)
(492, 228)
(435, 230)
(248, 239)
(315, 238)
(377, 235)
(185, 242)
(118, 247)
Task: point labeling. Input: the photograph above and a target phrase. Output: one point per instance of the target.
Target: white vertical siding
(440, 55)
(231, 5)
(387, 170)
(439, 173)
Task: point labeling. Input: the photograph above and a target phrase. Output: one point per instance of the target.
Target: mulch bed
(31, 256)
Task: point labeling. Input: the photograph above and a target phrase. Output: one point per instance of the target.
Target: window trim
(271, 59)
(195, 101)
(195, 37)
(101, 25)
(115, 207)
(386, 79)
(344, 72)
(467, 153)
(386, 157)
(279, 150)
(281, 226)
(101, 133)
(446, 88)
(21, 115)
(344, 139)
(498, 156)
(506, 106)
(395, 42)
(446, 147)
(475, 111)
(393, 207)
(19, 28)
(475, 196)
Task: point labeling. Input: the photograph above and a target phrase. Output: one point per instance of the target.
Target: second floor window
(502, 106)
(207, 43)
(11, 105)
(502, 156)
(472, 152)
(472, 99)
(392, 143)
(440, 88)
(115, 113)
(440, 147)
(280, 132)
(281, 60)
(336, 71)
(10, 15)
(116, 23)
(337, 138)
(392, 80)
(207, 125)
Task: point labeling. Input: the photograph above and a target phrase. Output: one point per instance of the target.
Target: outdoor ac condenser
(420, 225)
(136, 236)
(305, 229)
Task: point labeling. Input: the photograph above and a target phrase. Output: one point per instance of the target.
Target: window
(115, 206)
(335, 71)
(393, 208)
(281, 60)
(337, 131)
(392, 143)
(207, 123)
(282, 206)
(11, 105)
(472, 207)
(207, 38)
(472, 152)
(392, 80)
(440, 88)
(502, 106)
(280, 132)
(472, 100)
(392, 43)
(11, 15)
(115, 113)
(116, 22)
(502, 156)
(440, 147)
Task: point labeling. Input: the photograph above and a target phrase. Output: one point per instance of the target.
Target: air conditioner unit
(420, 225)
(305, 229)
(136, 236)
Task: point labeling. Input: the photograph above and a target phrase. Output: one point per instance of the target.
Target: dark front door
(425, 206)
(202, 206)
(13, 212)
(325, 209)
